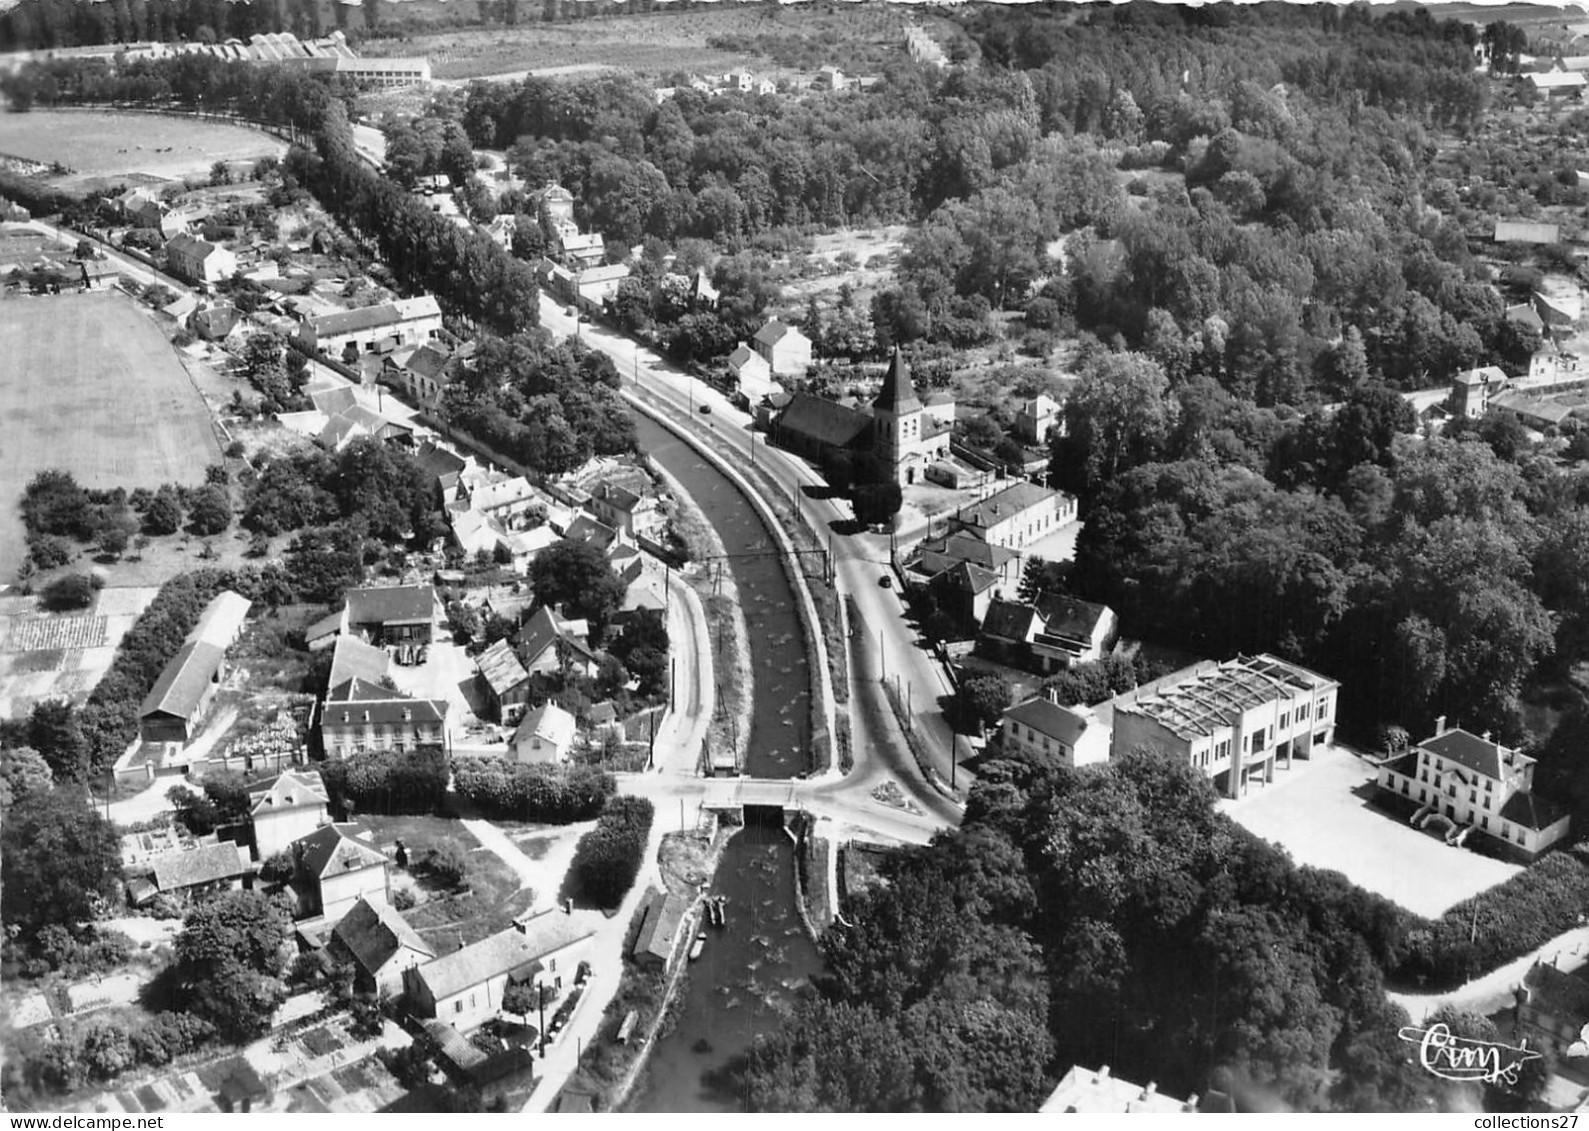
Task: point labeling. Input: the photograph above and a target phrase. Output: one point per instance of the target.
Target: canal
(754, 965)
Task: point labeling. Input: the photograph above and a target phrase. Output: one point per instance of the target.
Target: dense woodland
(1107, 917)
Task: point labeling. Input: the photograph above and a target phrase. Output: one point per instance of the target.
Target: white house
(1016, 516)
(1474, 781)
(545, 735)
(786, 350)
(1035, 417)
(199, 262)
(286, 807)
(1047, 730)
(465, 988)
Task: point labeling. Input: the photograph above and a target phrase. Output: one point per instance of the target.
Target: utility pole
(651, 755)
(673, 674)
(540, 997)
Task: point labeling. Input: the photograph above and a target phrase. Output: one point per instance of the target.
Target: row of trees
(553, 794)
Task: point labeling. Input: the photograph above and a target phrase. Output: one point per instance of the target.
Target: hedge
(608, 858)
(1498, 925)
(552, 794)
(389, 781)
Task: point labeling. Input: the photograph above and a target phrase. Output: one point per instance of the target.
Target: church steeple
(898, 395)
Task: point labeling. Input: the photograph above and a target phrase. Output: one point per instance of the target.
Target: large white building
(1232, 721)
(1474, 781)
(1050, 732)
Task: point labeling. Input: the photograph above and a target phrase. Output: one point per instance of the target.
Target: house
(352, 658)
(384, 73)
(380, 944)
(751, 373)
(1035, 417)
(325, 632)
(409, 322)
(1470, 390)
(444, 467)
(290, 805)
(595, 285)
(336, 868)
(175, 705)
(1552, 1007)
(935, 555)
(966, 592)
(830, 77)
(547, 644)
(502, 499)
(589, 528)
(393, 614)
(1016, 516)
(1083, 1091)
(465, 988)
(214, 322)
(1559, 302)
(1050, 732)
(786, 350)
(703, 296)
(146, 212)
(1557, 84)
(1524, 231)
(99, 274)
(213, 866)
(506, 683)
(623, 509)
(545, 736)
(199, 262)
(1524, 314)
(663, 927)
(358, 717)
(581, 250)
(1049, 634)
(1474, 781)
(1531, 412)
(1232, 720)
(425, 373)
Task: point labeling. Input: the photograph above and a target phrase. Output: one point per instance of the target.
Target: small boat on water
(697, 946)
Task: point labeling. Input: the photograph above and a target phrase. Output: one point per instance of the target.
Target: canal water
(753, 966)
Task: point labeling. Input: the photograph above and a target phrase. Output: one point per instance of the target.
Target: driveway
(1319, 811)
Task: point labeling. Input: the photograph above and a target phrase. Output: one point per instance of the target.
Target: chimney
(1150, 1090)
(1191, 1102)
(1052, 693)
(1103, 1073)
(1488, 734)
(568, 906)
(1440, 726)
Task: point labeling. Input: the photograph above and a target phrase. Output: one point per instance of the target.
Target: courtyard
(1320, 811)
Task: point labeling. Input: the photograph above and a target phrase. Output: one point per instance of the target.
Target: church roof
(898, 394)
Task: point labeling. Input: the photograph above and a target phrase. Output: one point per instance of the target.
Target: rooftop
(1000, 506)
(1207, 697)
(373, 933)
(333, 849)
(1098, 1093)
(1043, 715)
(206, 864)
(183, 681)
(515, 951)
(660, 930)
(392, 604)
(1480, 755)
(351, 658)
(291, 789)
(500, 668)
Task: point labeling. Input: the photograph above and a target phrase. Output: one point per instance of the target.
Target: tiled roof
(358, 702)
(351, 658)
(1000, 506)
(773, 332)
(500, 668)
(660, 930)
(513, 951)
(550, 723)
(373, 933)
(183, 681)
(206, 864)
(898, 394)
(332, 849)
(1070, 616)
(1009, 620)
(963, 547)
(291, 789)
(619, 498)
(827, 422)
(543, 631)
(1471, 752)
(1532, 811)
(392, 604)
(968, 577)
(1047, 717)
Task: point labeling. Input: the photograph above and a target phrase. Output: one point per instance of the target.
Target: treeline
(557, 795)
(1200, 957)
(608, 858)
(36, 24)
(392, 782)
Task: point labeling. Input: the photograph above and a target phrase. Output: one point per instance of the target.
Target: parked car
(886, 582)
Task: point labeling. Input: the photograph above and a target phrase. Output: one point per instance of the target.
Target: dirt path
(495, 840)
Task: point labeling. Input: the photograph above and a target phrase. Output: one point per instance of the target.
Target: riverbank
(712, 580)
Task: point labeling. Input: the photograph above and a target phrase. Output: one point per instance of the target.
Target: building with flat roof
(1085, 1092)
(1231, 721)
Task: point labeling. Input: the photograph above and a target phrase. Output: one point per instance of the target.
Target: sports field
(88, 383)
(95, 144)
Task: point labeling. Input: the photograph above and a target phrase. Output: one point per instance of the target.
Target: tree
(210, 510)
(58, 857)
(577, 576)
(982, 701)
(231, 956)
(55, 732)
(23, 772)
(1118, 416)
(877, 502)
(448, 864)
(522, 998)
(72, 591)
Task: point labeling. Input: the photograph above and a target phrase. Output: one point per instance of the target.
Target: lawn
(1320, 812)
(492, 896)
(90, 385)
(97, 144)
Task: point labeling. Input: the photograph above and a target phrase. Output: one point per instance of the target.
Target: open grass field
(658, 42)
(100, 144)
(89, 384)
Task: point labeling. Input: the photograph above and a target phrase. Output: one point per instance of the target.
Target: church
(896, 428)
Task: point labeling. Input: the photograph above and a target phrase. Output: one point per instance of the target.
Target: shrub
(74, 591)
(402, 899)
(608, 858)
(391, 782)
(552, 794)
(1498, 925)
(48, 551)
(447, 863)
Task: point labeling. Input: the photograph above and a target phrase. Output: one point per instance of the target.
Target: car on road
(886, 582)
(706, 410)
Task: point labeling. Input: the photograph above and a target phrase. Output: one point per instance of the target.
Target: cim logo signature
(1451, 1057)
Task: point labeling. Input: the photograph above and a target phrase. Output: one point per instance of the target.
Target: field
(90, 385)
(661, 42)
(100, 145)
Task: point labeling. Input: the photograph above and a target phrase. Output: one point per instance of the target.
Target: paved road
(860, 560)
